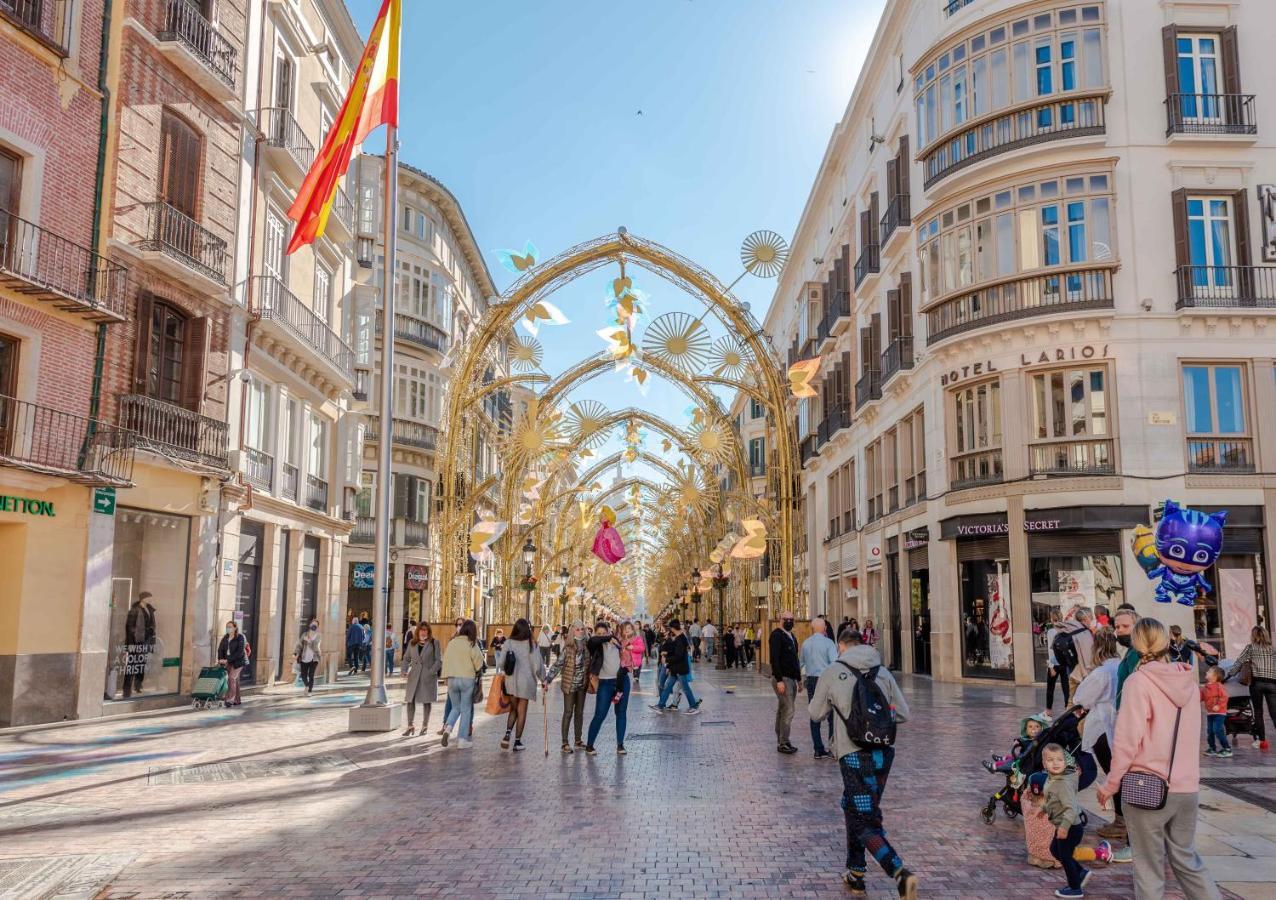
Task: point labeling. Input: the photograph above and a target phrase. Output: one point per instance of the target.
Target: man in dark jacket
(139, 640)
(785, 672)
(354, 644)
(677, 652)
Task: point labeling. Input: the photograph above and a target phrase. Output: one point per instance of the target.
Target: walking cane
(545, 716)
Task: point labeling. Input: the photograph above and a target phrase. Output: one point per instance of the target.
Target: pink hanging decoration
(607, 544)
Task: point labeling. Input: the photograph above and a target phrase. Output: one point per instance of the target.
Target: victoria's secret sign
(986, 529)
(1028, 358)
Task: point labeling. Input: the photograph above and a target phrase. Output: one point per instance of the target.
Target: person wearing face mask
(307, 654)
(1123, 624)
(232, 654)
(573, 664)
(786, 669)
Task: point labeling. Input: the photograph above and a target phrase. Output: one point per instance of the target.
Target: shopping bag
(497, 701)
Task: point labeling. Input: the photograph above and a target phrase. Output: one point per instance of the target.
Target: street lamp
(720, 584)
(685, 604)
(529, 583)
(563, 577)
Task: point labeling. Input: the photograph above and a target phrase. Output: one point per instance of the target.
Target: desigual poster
(1239, 608)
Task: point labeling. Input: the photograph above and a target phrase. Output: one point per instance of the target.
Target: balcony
(282, 134)
(289, 482)
(868, 388)
(977, 468)
(838, 417)
(364, 252)
(1072, 458)
(343, 210)
(1020, 298)
(415, 534)
(415, 331)
(1226, 287)
(404, 432)
(897, 217)
(50, 442)
(316, 493)
(272, 302)
(196, 47)
(897, 356)
(952, 6)
(365, 531)
(48, 21)
(837, 312)
(807, 449)
(171, 431)
(259, 468)
(869, 263)
(915, 488)
(174, 237)
(40, 264)
(1196, 114)
(1220, 456)
(362, 384)
(1080, 115)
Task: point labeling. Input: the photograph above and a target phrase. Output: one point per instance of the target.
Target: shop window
(148, 604)
(1064, 576)
(1217, 424)
(986, 627)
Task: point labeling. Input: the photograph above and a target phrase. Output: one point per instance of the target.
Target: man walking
(676, 650)
(785, 672)
(695, 639)
(354, 644)
(864, 769)
(709, 635)
(817, 654)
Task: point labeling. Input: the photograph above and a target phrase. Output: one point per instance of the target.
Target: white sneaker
(464, 743)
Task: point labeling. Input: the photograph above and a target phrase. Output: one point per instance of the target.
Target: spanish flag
(373, 100)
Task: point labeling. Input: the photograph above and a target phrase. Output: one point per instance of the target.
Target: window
(873, 480)
(323, 293)
(757, 457)
(1203, 82)
(848, 497)
(10, 189)
(257, 420)
(181, 150)
(977, 435)
(755, 409)
(1198, 74)
(1070, 420)
(407, 218)
(834, 495)
(167, 355)
(1215, 414)
(1211, 235)
(318, 447)
(912, 457)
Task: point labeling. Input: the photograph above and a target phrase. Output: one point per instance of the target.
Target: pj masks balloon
(1184, 544)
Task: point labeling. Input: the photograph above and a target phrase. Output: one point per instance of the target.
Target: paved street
(276, 799)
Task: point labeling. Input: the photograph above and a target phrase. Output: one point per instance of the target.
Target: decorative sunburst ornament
(584, 423)
(764, 254)
(535, 434)
(711, 440)
(689, 492)
(526, 353)
(678, 339)
(729, 358)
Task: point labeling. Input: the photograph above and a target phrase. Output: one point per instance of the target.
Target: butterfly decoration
(638, 375)
(625, 301)
(620, 345)
(542, 311)
(801, 375)
(482, 536)
(516, 262)
(753, 544)
(666, 445)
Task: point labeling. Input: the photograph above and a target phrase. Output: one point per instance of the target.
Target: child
(1030, 728)
(1062, 807)
(1214, 696)
(1039, 833)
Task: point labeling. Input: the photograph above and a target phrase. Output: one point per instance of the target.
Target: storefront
(416, 583)
(1225, 615)
(891, 646)
(917, 546)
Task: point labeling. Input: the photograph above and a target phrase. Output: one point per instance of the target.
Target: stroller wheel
(986, 816)
(1011, 812)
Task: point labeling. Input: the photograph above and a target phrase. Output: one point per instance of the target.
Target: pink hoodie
(1145, 726)
(635, 652)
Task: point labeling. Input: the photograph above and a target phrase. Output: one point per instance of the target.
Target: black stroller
(1064, 731)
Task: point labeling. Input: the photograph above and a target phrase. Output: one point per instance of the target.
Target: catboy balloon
(1184, 544)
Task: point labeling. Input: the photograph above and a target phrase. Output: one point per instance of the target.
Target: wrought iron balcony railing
(1210, 114)
(185, 23)
(289, 482)
(273, 302)
(48, 21)
(343, 209)
(259, 468)
(1220, 456)
(39, 263)
(836, 308)
(40, 439)
(868, 263)
(1081, 457)
(171, 430)
(868, 388)
(1020, 298)
(415, 534)
(177, 235)
(898, 215)
(952, 6)
(897, 356)
(365, 530)
(1226, 287)
(977, 468)
(281, 130)
(414, 331)
(404, 432)
(316, 493)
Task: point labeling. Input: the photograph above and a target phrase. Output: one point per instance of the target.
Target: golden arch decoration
(480, 350)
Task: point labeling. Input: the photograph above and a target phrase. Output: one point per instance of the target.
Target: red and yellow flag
(373, 100)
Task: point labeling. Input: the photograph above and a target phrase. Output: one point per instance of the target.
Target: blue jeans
(609, 689)
(389, 662)
(460, 698)
(816, 741)
(1215, 728)
(670, 680)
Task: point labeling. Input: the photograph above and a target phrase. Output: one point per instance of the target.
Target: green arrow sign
(104, 501)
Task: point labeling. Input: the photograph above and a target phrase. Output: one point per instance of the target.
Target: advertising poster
(1240, 608)
(1001, 637)
(1076, 586)
(363, 575)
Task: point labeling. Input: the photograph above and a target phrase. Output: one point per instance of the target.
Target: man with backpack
(1073, 648)
(868, 704)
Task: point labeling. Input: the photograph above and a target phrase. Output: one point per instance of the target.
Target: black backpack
(1065, 650)
(871, 722)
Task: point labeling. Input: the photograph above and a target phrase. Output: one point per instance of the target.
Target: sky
(690, 122)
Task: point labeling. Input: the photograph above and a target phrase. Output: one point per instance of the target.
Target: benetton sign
(10, 503)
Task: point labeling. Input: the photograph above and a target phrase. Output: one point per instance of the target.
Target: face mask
(1123, 640)
(314, 627)
(788, 624)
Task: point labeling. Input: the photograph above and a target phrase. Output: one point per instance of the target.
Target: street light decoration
(764, 254)
(679, 340)
(526, 353)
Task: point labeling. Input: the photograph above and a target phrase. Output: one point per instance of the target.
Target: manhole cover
(657, 736)
(211, 773)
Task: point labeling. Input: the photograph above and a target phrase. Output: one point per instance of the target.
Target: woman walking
(545, 643)
(307, 652)
(607, 653)
(498, 648)
(728, 646)
(1261, 657)
(869, 634)
(634, 650)
(573, 665)
(462, 662)
(1097, 693)
(1158, 738)
(422, 664)
(524, 669)
(232, 655)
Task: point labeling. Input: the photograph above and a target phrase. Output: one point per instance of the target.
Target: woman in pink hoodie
(635, 649)
(1158, 701)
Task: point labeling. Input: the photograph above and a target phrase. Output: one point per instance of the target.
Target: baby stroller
(1240, 711)
(1064, 731)
(210, 687)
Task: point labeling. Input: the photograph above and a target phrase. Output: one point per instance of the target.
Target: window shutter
(906, 304)
(865, 232)
(873, 216)
(1240, 210)
(892, 179)
(903, 163)
(866, 350)
(1231, 61)
(1170, 52)
(892, 314)
(848, 375)
(193, 377)
(142, 343)
(876, 337)
(1182, 253)
(401, 494)
(179, 164)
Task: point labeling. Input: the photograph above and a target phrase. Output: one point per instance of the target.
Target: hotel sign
(27, 505)
(1040, 357)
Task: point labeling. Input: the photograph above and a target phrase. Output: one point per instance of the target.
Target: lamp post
(563, 577)
(720, 583)
(685, 604)
(529, 557)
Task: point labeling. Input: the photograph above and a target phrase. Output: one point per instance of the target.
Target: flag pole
(381, 571)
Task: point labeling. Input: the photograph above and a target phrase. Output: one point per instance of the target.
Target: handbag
(497, 702)
(592, 686)
(1145, 790)
(1245, 675)
(478, 691)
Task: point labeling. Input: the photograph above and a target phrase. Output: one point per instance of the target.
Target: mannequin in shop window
(139, 642)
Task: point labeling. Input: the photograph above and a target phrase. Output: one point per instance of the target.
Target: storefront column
(904, 584)
(398, 597)
(95, 630)
(1020, 591)
(227, 577)
(945, 614)
(272, 609)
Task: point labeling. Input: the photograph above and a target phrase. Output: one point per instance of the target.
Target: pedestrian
(695, 633)
(865, 766)
(447, 706)
(854, 624)
(573, 665)
(786, 669)
(816, 655)
(556, 643)
(232, 654)
(391, 643)
(1260, 659)
(365, 649)
(307, 652)
(524, 668)
(407, 636)
(354, 644)
(1157, 732)
(1062, 806)
(1101, 616)
(1097, 695)
(1180, 650)
(422, 665)
(709, 634)
(498, 648)
(750, 646)
(462, 663)
(1052, 664)
(545, 643)
(868, 634)
(1123, 625)
(607, 665)
(634, 651)
(1214, 699)
(728, 646)
(649, 636)
(677, 654)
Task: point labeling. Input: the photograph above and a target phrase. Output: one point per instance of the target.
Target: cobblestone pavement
(276, 799)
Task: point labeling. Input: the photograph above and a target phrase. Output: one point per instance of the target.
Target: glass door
(919, 598)
(1198, 62)
(248, 592)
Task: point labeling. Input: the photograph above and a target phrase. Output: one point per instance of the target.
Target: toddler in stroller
(1030, 729)
(1035, 732)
